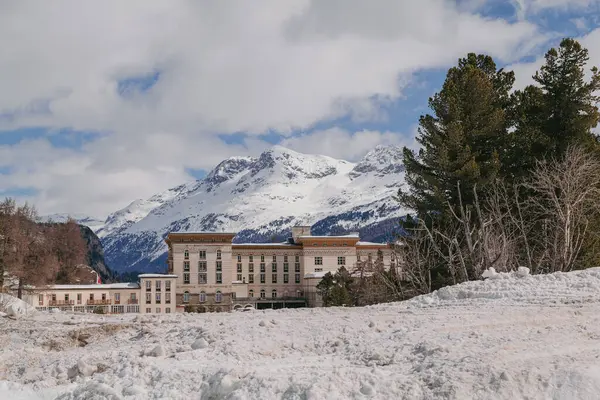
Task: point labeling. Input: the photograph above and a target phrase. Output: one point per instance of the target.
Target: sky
(105, 102)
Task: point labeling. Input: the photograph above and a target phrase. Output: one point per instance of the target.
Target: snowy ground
(506, 338)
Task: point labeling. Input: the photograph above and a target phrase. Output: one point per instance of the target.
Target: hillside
(512, 337)
(261, 198)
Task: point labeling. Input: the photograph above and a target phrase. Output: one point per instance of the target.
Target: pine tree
(463, 140)
(559, 111)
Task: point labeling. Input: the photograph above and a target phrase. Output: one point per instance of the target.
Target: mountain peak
(384, 159)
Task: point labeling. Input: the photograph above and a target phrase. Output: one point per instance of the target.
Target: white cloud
(224, 67)
(341, 144)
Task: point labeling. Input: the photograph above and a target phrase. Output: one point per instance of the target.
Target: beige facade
(215, 274)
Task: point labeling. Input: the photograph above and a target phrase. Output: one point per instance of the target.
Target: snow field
(512, 337)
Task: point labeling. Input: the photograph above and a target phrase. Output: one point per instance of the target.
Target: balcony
(104, 302)
(61, 303)
(132, 301)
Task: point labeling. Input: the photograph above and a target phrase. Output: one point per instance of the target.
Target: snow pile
(519, 287)
(14, 307)
(515, 337)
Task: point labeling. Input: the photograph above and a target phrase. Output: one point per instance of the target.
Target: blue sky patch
(137, 84)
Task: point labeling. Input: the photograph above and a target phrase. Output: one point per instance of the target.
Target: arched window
(263, 294)
(251, 293)
(202, 297)
(186, 297)
(218, 297)
(186, 254)
(218, 254)
(274, 293)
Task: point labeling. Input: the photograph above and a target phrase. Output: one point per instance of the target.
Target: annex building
(207, 272)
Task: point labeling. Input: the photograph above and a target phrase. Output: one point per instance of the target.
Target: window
(285, 258)
(274, 294)
(250, 258)
(202, 254)
(148, 298)
(117, 298)
(158, 284)
(186, 277)
(262, 278)
(218, 254)
(250, 267)
(262, 294)
(239, 267)
(91, 297)
(262, 267)
(54, 297)
(219, 266)
(168, 310)
(168, 286)
(262, 258)
(186, 297)
(318, 260)
(168, 298)
(218, 297)
(186, 265)
(186, 254)
(318, 269)
(345, 244)
(202, 278)
(251, 293)
(219, 277)
(274, 258)
(297, 278)
(201, 266)
(158, 310)
(286, 278)
(202, 297)
(274, 267)
(370, 257)
(315, 244)
(341, 260)
(148, 285)
(239, 258)
(103, 296)
(286, 267)
(157, 298)
(148, 310)
(239, 277)
(324, 244)
(78, 298)
(358, 257)
(250, 278)
(41, 299)
(297, 267)
(66, 297)
(297, 259)
(274, 278)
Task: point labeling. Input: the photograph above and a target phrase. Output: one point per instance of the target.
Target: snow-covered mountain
(92, 222)
(261, 198)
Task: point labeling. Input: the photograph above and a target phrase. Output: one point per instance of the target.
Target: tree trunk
(20, 289)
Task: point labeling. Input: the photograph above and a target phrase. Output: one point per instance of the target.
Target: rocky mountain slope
(261, 199)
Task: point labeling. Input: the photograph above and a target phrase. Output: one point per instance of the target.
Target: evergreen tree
(464, 138)
(559, 111)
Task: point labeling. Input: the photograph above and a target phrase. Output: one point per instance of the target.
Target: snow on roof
(266, 244)
(361, 243)
(102, 286)
(351, 235)
(157, 276)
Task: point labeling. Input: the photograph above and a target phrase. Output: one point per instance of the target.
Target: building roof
(349, 236)
(316, 274)
(360, 243)
(156, 276)
(101, 286)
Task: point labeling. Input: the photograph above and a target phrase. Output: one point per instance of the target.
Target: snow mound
(519, 287)
(14, 307)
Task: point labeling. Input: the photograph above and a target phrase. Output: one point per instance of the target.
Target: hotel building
(207, 272)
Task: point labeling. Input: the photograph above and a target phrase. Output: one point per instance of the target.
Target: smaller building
(153, 294)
